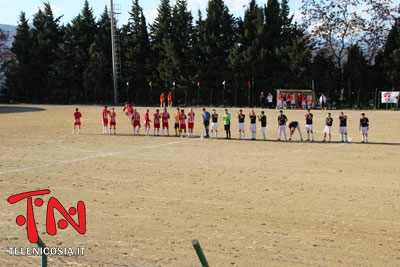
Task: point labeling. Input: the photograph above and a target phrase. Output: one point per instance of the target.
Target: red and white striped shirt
(135, 116)
(156, 117)
(191, 117)
(105, 114)
(112, 116)
(182, 119)
(165, 117)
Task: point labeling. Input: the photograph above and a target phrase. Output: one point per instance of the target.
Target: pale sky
(10, 9)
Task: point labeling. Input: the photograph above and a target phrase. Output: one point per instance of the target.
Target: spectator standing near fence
(279, 105)
(322, 101)
(270, 99)
(262, 100)
(309, 101)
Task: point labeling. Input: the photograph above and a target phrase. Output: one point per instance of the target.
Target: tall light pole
(223, 94)
(114, 61)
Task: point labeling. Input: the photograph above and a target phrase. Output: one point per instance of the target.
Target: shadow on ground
(7, 109)
(249, 140)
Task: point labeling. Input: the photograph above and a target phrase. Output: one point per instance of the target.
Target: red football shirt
(77, 115)
(182, 119)
(156, 117)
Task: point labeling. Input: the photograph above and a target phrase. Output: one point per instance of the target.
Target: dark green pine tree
(272, 44)
(295, 58)
(98, 73)
(136, 55)
(84, 30)
(250, 40)
(46, 39)
(355, 74)
(391, 57)
(18, 76)
(325, 74)
(183, 61)
(163, 51)
(64, 81)
(199, 56)
(219, 39)
(73, 59)
(238, 93)
(288, 29)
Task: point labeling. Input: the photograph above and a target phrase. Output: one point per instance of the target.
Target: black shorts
(176, 126)
(206, 123)
(227, 127)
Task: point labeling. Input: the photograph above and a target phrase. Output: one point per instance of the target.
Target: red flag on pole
(198, 83)
(248, 83)
(150, 83)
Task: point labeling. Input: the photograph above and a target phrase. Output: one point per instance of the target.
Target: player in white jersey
(190, 118)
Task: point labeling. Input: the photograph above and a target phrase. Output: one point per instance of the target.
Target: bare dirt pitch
(249, 203)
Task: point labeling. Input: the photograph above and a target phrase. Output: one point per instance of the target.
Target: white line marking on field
(58, 143)
(102, 155)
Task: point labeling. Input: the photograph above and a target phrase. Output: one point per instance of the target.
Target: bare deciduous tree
(333, 24)
(376, 25)
(5, 53)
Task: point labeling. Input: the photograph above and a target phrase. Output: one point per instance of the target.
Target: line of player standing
(162, 119)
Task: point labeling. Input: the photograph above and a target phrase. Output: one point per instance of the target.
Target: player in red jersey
(165, 117)
(77, 120)
(169, 99)
(156, 117)
(190, 118)
(113, 121)
(147, 122)
(105, 113)
(182, 123)
(162, 100)
(135, 119)
(129, 110)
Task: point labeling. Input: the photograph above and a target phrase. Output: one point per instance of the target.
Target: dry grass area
(250, 203)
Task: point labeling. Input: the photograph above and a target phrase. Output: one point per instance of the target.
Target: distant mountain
(11, 31)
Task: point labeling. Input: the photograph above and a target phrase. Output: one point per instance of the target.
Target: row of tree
(214, 60)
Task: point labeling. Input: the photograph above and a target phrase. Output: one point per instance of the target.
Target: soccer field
(249, 203)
